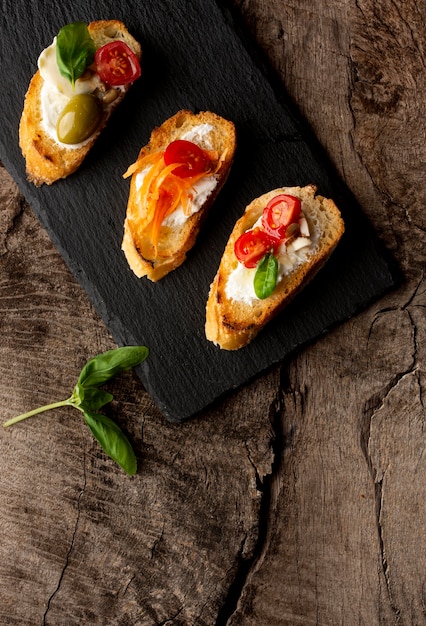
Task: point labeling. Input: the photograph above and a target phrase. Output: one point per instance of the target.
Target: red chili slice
(194, 160)
(281, 211)
(252, 246)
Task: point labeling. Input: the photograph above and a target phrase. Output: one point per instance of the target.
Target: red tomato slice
(117, 64)
(279, 213)
(194, 160)
(252, 246)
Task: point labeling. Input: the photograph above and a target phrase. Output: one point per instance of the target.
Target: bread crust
(232, 324)
(46, 159)
(174, 242)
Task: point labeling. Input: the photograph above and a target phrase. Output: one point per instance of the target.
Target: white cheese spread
(239, 285)
(57, 90)
(201, 135)
(50, 73)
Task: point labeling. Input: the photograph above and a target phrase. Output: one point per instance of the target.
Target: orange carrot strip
(180, 185)
(212, 154)
(190, 187)
(155, 192)
(145, 190)
(164, 174)
(221, 160)
(142, 162)
(164, 206)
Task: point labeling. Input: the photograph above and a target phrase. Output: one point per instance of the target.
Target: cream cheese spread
(239, 285)
(201, 135)
(57, 90)
(50, 73)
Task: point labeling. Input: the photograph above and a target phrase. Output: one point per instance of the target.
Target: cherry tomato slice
(252, 246)
(281, 211)
(194, 160)
(117, 64)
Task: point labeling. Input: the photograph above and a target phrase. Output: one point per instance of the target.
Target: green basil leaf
(92, 398)
(265, 278)
(105, 366)
(112, 440)
(75, 50)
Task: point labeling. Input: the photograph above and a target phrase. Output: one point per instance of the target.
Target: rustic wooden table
(300, 498)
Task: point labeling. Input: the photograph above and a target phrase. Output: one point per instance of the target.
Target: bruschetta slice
(174, 182)
(81, 78)
(284, 237)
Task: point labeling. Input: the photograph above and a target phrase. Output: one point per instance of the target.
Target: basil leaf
(91, 398)
(105, 366)
(113, 441)
(75, 50)
(265, 278)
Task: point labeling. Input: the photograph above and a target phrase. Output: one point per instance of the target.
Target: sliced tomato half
(193, 158)
(117, 64)
(281, 211)
(252, 246)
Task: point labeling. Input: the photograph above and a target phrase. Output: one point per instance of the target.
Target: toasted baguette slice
(48, 160)
(233, 323)
(175, 239)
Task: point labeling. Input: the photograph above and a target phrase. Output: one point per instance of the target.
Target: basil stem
(41, 409)
(265, 278)
(75, 50)
(88, 399)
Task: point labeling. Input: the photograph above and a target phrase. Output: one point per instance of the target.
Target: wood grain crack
(157, 541)
(11, 221)
(258, 479)
(245, 566)
(170, 620)
(371, 408)
(383, 560)
(236, 587)
(70, 548)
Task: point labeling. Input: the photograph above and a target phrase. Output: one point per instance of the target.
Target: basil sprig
(89, 399)
(265, 278)
(75, 50)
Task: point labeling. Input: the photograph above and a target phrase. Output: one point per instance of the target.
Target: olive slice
(79, 119)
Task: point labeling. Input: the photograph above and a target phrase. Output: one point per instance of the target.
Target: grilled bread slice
(234, 315)
(47, 159)
(154, 252)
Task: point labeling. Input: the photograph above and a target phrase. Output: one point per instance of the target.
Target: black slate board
(193, 58)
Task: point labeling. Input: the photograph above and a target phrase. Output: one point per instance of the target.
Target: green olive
(79, 119)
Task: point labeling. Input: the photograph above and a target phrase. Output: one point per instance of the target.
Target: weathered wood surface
(301, 498)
